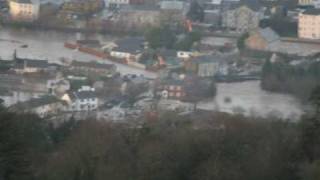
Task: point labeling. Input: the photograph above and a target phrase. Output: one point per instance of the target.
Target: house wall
(120, 55)
(86, 104)
(309, 26)
(305, 2)
(241, 19)
(110, 3)
(191, 66)
(207, 69)
(173, 92)
(140, 18)
(24, 11)
(80, 104)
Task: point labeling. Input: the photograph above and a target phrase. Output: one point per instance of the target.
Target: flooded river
(49, 45)
(245, 97)
(248, 98)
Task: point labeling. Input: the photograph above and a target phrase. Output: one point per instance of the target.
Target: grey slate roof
(82, 95)
(205, 59)
(92, 65)
(269, 35)
(133, 45)
(23, 1)
(312, 12)
(175, 82)
(20, 63)
(167, 52)
(35, 102)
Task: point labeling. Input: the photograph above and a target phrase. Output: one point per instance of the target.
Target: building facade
(139, 16)
(309, 24)
(84, 99)
(305, 2)
(172, 89)
(241, 19)
(24, 10)
(118, 3)
(314, 3)
(93, 68)
(81, 7)
(203, 66)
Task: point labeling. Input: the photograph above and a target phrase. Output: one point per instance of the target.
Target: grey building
(203, 66)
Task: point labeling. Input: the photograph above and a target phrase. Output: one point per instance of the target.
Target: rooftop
(205, 59)
(23, 1)
(133, 45)
(92, 65)
(21, 63)
(171, 81)
(312, 12)
(269, 35)
(35, 102)
(167, 53)
(82, 95)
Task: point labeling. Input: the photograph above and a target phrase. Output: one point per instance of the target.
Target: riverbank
(67, 29)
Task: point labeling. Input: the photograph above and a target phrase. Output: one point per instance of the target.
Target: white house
(84, 99)
(184, 54)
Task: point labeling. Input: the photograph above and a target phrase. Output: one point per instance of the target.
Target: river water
(49, 45)
(249, 99)
(244, 97)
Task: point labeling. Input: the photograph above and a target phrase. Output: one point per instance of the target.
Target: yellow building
(82, 6)
(24, 10)
(309, 24)
(305, 2)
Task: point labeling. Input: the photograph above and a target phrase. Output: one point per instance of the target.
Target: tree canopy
(196, 12)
